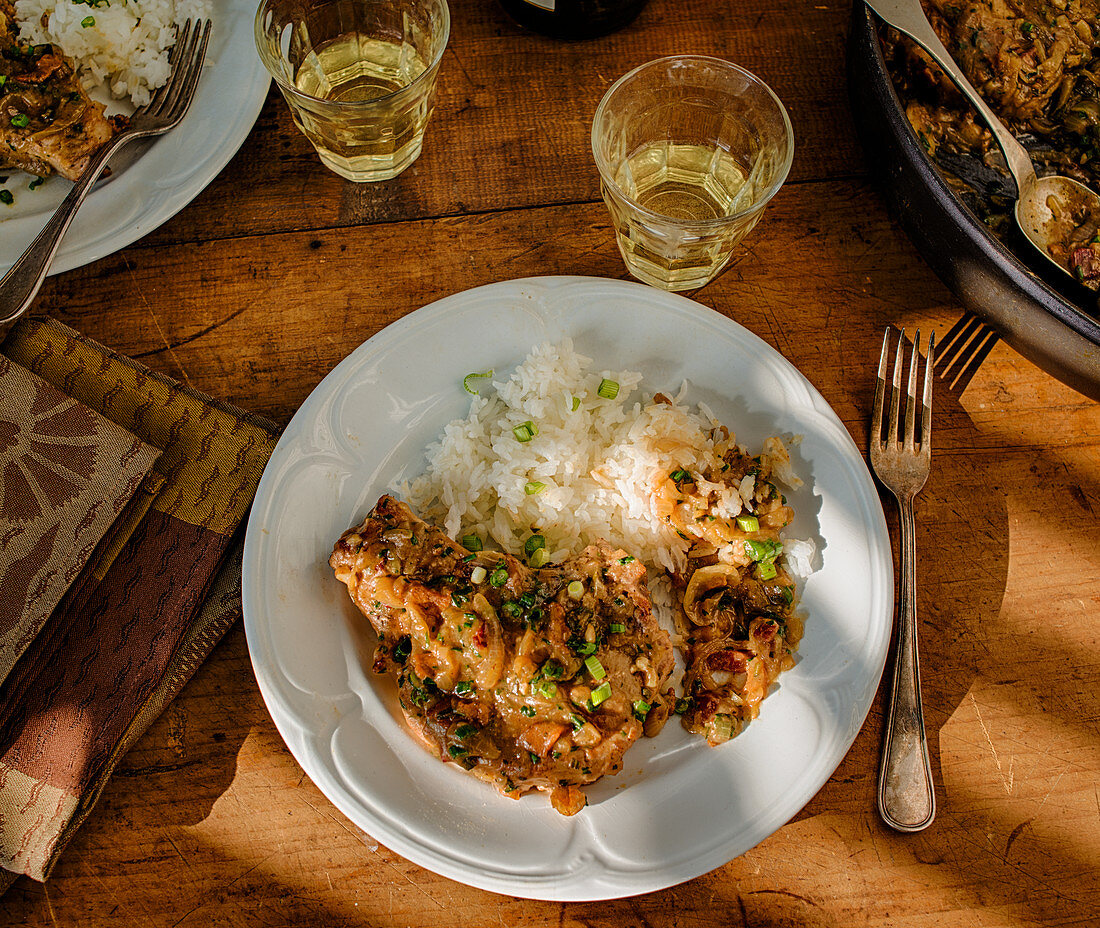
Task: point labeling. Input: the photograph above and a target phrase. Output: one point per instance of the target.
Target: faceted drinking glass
(690, 149)
(359, 76)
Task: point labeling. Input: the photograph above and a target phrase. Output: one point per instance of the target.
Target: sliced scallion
(525, 431)
(539, 558)
(532, 544)
(679, 475)
(577, 721)
(464, 687)
(600, 694)
(21, 121)
(477, 575)
(464, 731)
(6, 197)
(87, 21)
(594, 667)
(616, 628)
(575, 589)
(765, 570)
(641, 709)
(763, 550)
(723, 728)
(472, 542)
(498, 577)
(534, 486)
(548, 689)
(608, 389)
(527, 711)
(748, 523)
(468, 380)
(576, 403)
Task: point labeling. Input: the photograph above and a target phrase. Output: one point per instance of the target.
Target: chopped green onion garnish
(765, 570)
(534, 486)
(87, 21)
(534, 757)
(477, 575)
(21, 121)
(582, 647)
(551, 670)
(527, 711)
(4, 80)
(464, 731)
(36, 183)
(626, 560)
(464, 687)
(592, 663)
(6, 197)
(575, 589)
(608, 389)
(525, 431)
(641, 709)
(471, 542)
(467, 381)
(458, 599)
(498, 577)
(532, 544)
(682, 705)
(723, 728)
(679, 475)
(539, 558)
(578, 722)
(547, 689)
(511, 608)
(748, 523)
(788, 594)
(601, 694)
(616, 628)
(457, 751)
(576, 403)
(763, 550)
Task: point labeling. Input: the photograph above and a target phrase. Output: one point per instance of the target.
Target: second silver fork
(906, 798)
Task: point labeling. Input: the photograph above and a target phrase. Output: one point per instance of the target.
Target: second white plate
(152, 182)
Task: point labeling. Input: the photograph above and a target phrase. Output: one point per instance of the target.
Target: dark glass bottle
(573, 19)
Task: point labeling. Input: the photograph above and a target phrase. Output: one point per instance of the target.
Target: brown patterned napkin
(66, 473)
(133, 627)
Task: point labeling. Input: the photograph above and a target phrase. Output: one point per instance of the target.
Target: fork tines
(887, 437)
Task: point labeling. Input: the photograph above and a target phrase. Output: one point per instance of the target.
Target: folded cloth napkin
(150, 602)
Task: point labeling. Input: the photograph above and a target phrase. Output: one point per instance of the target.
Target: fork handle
(906, 799)
(22, 282)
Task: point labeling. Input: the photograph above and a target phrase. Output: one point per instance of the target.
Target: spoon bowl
(1051, 209)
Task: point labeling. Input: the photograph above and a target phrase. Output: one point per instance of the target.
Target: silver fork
(906, 799)
(165, 109)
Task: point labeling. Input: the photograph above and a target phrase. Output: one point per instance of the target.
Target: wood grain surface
(279, 269)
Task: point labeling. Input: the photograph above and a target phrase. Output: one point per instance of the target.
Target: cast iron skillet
(1046, 326)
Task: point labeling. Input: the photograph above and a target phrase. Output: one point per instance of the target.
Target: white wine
(692, 182)
(683, 183)
(357, 69)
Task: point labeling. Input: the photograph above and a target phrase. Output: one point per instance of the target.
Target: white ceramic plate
(679, 808)
(152, 181)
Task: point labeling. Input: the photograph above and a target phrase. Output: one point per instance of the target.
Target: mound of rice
(124, 47)
(587, 474)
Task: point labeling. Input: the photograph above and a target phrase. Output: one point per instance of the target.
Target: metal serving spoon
(1035, 196)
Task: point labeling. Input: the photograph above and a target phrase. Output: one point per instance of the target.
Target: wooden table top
(279, 269)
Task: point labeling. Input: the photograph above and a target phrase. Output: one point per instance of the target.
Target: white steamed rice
(597, 463)
(126, 46)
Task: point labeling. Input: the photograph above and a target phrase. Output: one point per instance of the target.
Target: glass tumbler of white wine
(359, 76)
(690, 149)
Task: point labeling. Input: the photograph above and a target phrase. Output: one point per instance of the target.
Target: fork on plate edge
(906, 798)
(165, 110)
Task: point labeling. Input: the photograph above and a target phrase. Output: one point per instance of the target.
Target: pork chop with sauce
(529, 679)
